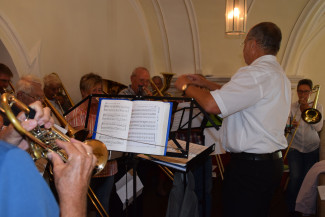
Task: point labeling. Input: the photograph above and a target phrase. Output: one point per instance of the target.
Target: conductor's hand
(181, 80)
(197, 80)
(72, 178)
(42, 118)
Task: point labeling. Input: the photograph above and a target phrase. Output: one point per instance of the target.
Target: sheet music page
(197, 118)
(148, 127)
(113, 123)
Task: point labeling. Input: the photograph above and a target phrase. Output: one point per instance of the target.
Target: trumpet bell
(100, 151)
(311, 116)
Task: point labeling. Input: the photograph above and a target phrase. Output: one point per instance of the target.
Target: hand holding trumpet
(71, 177)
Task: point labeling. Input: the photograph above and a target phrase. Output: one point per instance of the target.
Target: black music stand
(183, 153)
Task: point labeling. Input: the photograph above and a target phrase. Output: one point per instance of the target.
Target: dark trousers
(299, 165)
(102, 187)
(249, 185)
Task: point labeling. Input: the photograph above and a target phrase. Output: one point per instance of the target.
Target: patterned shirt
(130, 91)
(77, 118)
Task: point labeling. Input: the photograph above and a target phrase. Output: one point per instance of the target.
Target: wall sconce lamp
(236, 12)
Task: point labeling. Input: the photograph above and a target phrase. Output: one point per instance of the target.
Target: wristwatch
(184, 88)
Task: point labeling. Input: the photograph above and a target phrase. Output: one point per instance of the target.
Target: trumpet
(99, 150)
(43, 140)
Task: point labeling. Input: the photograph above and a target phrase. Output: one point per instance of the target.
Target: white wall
(112, 37)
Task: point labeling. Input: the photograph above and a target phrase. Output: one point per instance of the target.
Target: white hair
(27, 83)
(51, 79)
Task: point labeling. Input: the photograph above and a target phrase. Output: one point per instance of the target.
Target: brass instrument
(36, 136)
(312, 115)
(43, 140)
(82, 135)
(64, 90)
(112, 87)
(167, 80)
(10, 90)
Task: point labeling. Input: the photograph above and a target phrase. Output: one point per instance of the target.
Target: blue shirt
(23, 191)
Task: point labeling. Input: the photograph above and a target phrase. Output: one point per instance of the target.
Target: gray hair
(140, 68)
(27, 83)
(51, 79)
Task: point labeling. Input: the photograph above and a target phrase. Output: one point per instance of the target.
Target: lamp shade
(236, 12)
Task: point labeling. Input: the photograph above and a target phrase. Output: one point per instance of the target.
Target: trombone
(167, 80)
(310, 116)
(42, 140)
(64, 94)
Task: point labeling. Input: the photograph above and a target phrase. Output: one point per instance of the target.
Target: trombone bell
(312, 115)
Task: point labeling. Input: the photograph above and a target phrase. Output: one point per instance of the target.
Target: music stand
(184, 152)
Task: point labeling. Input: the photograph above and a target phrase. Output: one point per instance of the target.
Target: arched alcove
(14, 53)
(303, 57)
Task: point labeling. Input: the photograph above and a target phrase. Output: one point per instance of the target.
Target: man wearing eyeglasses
(255, 105)
(304, 150)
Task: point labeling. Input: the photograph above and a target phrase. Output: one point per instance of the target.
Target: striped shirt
(77, 118)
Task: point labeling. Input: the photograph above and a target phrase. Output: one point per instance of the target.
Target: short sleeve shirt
(255, 105)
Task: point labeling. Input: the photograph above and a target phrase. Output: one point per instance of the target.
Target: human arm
(200, 81)
(72, 178)
(203, 97)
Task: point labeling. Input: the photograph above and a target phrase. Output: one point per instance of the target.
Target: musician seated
(102, 183)
(157, 80)
(53, 92)
(28, 90)
(25, 192)
(140, 79)
(5, 77)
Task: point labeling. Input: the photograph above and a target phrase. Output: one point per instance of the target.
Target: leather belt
(251, 156)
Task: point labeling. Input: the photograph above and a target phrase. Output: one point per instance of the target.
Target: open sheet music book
(133, 126)
(180, 164)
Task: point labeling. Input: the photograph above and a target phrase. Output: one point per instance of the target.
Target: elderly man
(140, 79)
(255, 105)
(52, 91)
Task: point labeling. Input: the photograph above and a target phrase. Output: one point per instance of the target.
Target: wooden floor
(152, 204)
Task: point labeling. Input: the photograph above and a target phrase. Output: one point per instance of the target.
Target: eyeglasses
(39, 98)
(303, 91)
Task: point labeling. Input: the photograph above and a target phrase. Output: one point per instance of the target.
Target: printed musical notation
(133, 126)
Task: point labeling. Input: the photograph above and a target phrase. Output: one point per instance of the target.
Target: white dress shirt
(255, 105)
(306, 138)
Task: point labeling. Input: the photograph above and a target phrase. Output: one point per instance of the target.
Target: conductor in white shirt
(255, 105)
